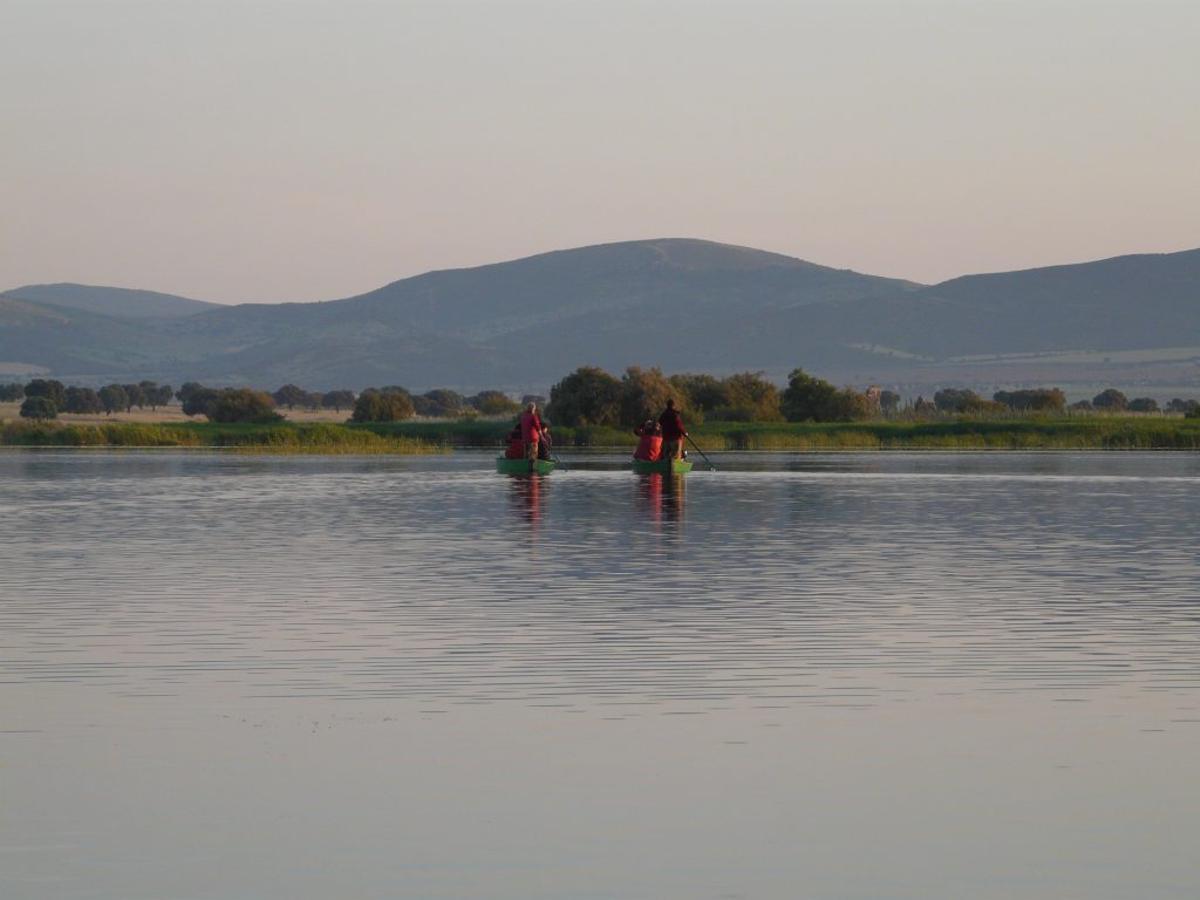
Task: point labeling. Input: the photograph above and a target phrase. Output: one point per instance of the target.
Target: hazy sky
(302, 150)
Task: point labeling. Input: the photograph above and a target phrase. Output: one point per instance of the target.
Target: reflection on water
(142, 572)
(526, 494)
(662, 497)
(435, 680)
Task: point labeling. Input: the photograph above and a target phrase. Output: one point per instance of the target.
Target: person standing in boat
(673, 431)
(649, 448)
(531, 430)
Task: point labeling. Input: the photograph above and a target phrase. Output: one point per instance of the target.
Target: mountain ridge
(680, 303)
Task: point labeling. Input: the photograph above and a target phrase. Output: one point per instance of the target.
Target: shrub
(387, 405)
(242, 405)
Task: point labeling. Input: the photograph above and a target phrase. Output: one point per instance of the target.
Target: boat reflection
(662, 496)
(525, 492)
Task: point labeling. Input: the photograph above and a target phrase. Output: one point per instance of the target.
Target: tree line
(393, 403)
(592, 396)
(1050, 401)
(587, 396)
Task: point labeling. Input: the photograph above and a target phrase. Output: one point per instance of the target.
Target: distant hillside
(680, 304)
(1128, 302)
(521, 322)
(74, 342)
(111, 301)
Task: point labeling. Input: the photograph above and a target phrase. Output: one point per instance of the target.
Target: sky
(302, 150)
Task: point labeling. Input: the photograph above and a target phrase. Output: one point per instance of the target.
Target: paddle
(711, 467)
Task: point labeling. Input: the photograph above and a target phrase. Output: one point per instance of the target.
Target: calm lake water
(802, 676)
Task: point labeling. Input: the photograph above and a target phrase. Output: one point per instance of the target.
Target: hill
(110, 301)
(680, 304)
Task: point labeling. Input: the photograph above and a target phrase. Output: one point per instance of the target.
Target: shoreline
(1116, 433)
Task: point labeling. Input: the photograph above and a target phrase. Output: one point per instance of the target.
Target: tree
(383, 406)
(923, 407)
(1143, 405)
(441, 403)
(290, 395)
(1083, 406)
(154, 395)
(1179, 405)
(48, 388)
(809, 399)
(1110, 400)
(196, 398)
(242, 405)
(338, 400)
(644, 395)
(494, 403)
(134, 396)
(10, 393)
(704, 393)
(749, 397)
(1044, 400)
(889, 402)
(956, 400)
(113, 398)
(588, 396)
(82, 401)
(39, 407)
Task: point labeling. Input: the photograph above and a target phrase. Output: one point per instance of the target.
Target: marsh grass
(415, 437)
(284, 438)
(1050, 433)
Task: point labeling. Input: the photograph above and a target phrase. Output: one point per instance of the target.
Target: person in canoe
(531, 430)
(649, 448)
(545, 443)
(673, 431)
(516, 446)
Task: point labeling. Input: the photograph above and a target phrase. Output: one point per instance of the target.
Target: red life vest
(649, 448)
(515, 449)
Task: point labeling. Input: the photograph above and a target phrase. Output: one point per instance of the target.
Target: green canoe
(507, 466)
(662, 466)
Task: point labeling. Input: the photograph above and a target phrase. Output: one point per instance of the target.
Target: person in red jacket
(649, 448)
(531, 430)
(673, 431)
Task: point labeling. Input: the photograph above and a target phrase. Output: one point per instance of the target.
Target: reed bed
(1049, 433)
(285, 438)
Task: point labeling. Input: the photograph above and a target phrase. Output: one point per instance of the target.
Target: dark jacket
(672, 425)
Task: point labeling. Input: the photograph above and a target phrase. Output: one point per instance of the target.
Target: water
(844, 676)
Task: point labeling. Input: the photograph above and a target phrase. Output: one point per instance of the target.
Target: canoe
(507, 466)
(662, 466)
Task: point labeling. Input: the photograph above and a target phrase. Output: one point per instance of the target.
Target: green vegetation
(285, 437)
(1048, 433)
(38, 408)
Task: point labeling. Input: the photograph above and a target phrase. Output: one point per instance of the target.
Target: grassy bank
(1054, 433)
(286, 437)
